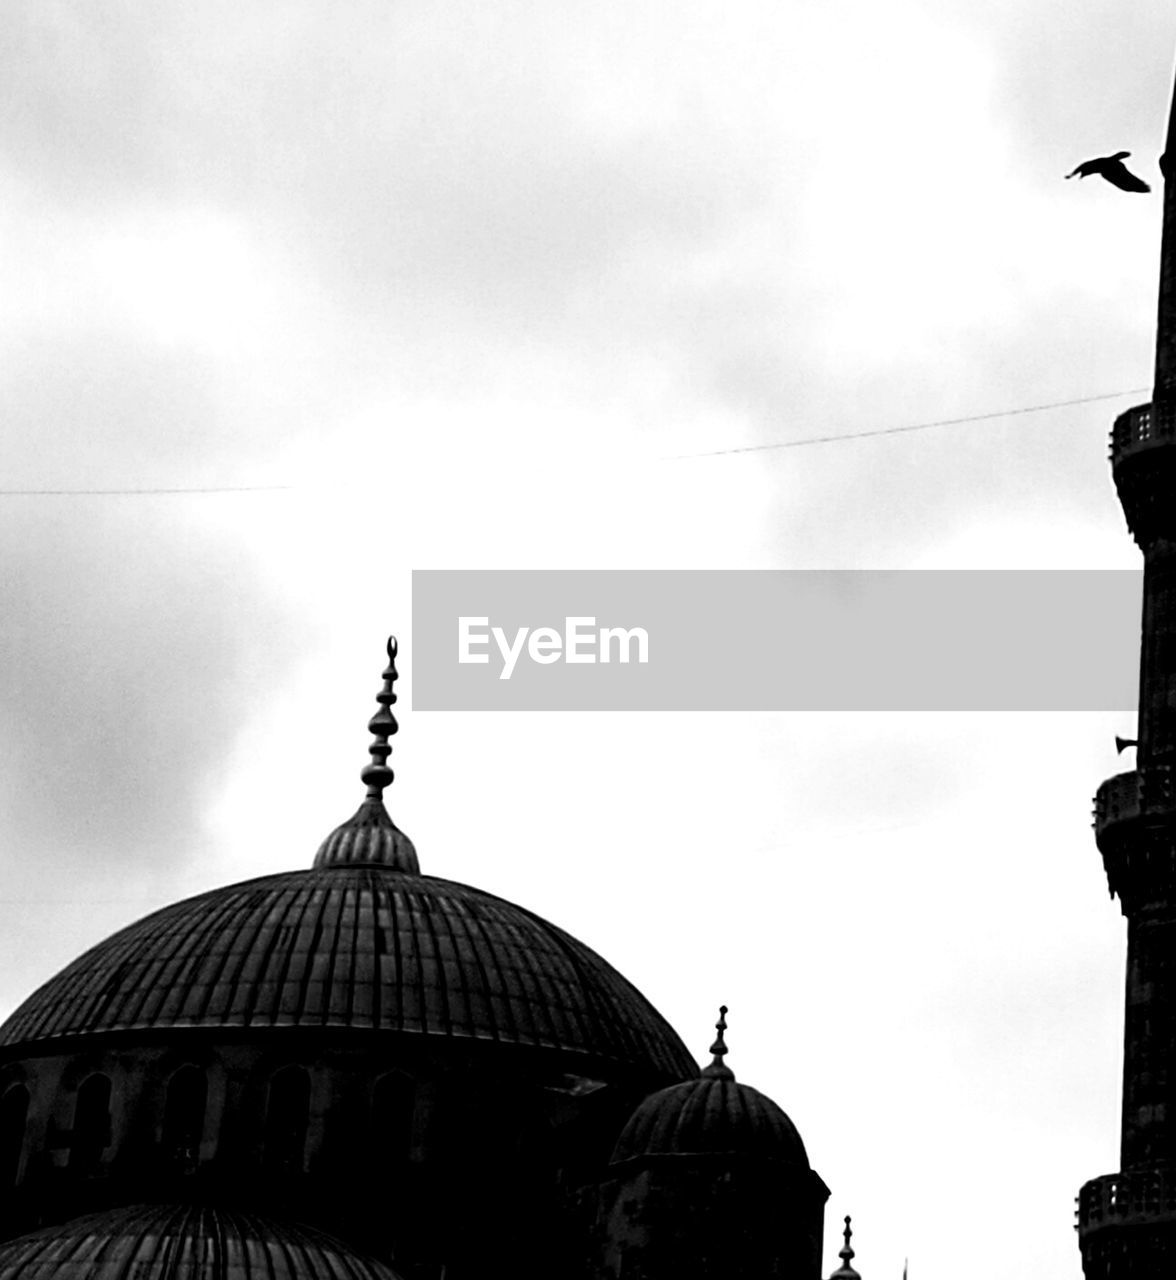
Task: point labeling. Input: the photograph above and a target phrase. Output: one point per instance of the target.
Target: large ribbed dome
(182, 1242)
(360, 947)
(362, 942)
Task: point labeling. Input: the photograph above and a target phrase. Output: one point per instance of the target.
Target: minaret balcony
(1117, 804)
(1126, 797)
(1145, 1196)
(1135, 829)
(1145, 471)
(1144, 427)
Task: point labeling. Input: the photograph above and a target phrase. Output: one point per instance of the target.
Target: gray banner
(658, 640)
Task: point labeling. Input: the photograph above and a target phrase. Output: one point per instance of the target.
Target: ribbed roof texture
(712, 1115)
(182, 1242)
(357, 947)
(368, 838)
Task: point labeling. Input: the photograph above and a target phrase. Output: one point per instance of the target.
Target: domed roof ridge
(369, 836)
(711, 1114)
(196, 1242)
(413, 954)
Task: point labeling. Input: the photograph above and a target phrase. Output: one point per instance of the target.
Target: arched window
(91, 1130)
(14, 1109)
(287, 1115)
(393, 1112)
(183, 1116)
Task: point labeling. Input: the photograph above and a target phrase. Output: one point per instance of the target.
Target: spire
(846, 1271)
(1168, 159)
(1165, 387)
(718, 1069)
(370, 837)
(383, 724)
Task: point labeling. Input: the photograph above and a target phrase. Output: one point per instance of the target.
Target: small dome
(708, 1116)
(711, 1115)
(368, 838)
(183, 1242)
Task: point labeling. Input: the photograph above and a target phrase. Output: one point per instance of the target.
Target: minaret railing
(1143, 427)
(1119, 1199)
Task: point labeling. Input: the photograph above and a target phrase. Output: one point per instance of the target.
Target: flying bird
(1114, 170)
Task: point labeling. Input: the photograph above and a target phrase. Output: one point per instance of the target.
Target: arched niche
(14, 1110)
(183, 1116)
(287, 1116)
(91, 1127)
(393, 1116)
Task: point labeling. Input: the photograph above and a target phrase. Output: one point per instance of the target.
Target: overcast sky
(467, 279)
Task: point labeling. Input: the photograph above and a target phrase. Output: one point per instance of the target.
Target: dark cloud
(130, 638)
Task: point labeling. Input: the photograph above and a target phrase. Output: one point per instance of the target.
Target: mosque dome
(183, 1242)
(359, 947)
(711, 1115)
(361, 942)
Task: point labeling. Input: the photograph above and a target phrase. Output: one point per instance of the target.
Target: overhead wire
(765, 447)
(910, 426)
(134, 492)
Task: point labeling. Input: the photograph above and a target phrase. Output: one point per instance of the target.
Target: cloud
(123, 640)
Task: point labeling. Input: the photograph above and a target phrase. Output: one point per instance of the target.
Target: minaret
(1127, 1220)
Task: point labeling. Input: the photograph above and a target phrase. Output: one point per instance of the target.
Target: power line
(913, 426)
(118, 493)
(709, 453)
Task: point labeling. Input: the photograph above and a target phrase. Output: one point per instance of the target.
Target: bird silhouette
(1114, 170)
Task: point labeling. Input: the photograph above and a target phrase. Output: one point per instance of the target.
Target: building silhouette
(1127, 1220)
(357, 1070)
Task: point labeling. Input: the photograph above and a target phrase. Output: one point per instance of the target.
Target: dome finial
(370, 837)
(845, 1271)
(718, 1069)
(378, 774)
